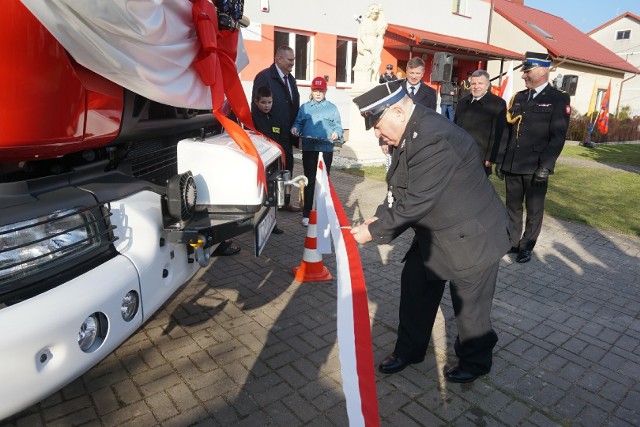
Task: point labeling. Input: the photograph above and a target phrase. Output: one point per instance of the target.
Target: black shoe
(277, 230)
(457, 375)
(392, 364)
(514, 250)
(524, 256)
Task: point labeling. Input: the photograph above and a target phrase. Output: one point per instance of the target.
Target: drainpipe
(620, 93)
(622, 83)
(490, 19)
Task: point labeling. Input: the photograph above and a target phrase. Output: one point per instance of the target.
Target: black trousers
(287, 147)
(519, 190)
(420, 295)
(310, 165)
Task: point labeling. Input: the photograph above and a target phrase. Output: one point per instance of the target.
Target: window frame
(350, 59)
(459, 7)
(620, 34)
(292, 42)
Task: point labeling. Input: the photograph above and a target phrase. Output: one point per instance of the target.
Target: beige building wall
(587, 76)
(338, 16)
(628, 49)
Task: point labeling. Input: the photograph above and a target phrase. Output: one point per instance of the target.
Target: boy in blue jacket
(318, 124)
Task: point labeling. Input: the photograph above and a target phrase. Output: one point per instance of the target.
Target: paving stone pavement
(244, 345)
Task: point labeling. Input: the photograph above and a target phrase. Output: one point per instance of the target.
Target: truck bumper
(39, 338)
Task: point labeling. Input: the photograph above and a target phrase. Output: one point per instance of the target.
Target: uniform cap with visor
(373, 103)
(534, 60)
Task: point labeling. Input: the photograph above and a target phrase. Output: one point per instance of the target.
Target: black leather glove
(540, 177)
(499, 172)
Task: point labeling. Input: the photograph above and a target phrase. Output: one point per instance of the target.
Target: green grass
(625, 154)
(600, 198)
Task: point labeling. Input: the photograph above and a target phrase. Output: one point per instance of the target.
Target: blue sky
(586, 15)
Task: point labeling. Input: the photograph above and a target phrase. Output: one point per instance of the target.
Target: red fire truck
(110, 198)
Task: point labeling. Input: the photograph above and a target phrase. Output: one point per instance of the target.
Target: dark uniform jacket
(485, 119)
(440, 190)
(268, 125)
(387, 77)
(285, 107)
(536, 140)
(426, 95)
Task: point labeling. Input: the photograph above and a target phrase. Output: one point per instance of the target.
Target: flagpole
(592, 121)
(587, 142)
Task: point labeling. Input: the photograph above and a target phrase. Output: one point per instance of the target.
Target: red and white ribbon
(354, 328)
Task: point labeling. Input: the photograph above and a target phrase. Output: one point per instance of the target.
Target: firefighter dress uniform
(537, 134)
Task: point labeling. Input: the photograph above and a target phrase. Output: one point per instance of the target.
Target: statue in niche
(370, 41)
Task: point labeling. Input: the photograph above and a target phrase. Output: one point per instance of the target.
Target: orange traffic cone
(311, 269)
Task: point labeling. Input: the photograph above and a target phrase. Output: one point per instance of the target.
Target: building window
(460, 7)
(623, 35)
(302, 46)
(599, 96)
(346, 51)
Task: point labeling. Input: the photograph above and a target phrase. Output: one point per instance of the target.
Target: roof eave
(449, 46)
(413, 40)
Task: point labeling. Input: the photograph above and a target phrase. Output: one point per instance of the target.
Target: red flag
(603, 117)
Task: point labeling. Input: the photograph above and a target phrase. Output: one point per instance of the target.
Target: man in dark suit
(286, 102)
(437, 187)
(484, 116)
(418, 91)
(539, 118)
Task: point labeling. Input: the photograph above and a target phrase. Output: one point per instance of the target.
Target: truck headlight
(129, 306)
(31, 246)
(93, 332)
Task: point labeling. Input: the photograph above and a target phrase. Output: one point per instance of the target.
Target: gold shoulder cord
(513, 120)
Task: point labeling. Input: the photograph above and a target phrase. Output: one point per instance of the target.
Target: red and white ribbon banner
(354, 328)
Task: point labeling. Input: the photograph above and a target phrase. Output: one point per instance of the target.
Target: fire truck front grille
(153, 161)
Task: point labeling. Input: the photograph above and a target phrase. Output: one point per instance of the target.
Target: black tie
(413, 91)
(286, 84)
(532, 93)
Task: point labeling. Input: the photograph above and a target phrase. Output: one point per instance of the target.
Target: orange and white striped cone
(311, 269)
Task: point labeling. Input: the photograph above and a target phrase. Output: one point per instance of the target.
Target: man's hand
(370, 220)
(540, 177)
(361, 233)
(294, 131)
(499, 172)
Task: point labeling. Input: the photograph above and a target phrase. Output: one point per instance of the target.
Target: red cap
(319, 83)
